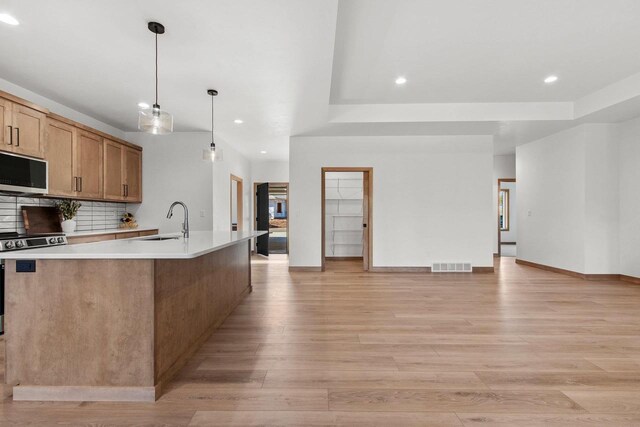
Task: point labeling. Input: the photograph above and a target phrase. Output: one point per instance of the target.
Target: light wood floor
(519, 347)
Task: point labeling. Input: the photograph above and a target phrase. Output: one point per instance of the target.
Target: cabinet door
(29, 128)
(133, 174)
(5, 125)
(89, 165)
(114, 188)
(60, 140)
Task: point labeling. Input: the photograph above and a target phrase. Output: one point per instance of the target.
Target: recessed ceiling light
(238, 121)
(143, 105)
(263, 152)
(551, 79)
(8, 19)
(401, 80)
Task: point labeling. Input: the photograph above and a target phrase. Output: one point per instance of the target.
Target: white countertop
(199, 243)
(109, 231)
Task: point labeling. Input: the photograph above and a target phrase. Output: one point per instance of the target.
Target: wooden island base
(115, 329)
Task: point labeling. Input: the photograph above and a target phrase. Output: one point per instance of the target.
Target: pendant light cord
(212, 119)
(156, 68)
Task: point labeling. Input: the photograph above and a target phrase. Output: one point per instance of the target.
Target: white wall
(58, 108)
(550, 174)
(233, 163)
(602, 200)
(431, 197)
(503, 167)
(629, 179)
(173, 169)
(270, 171)
(568, 200)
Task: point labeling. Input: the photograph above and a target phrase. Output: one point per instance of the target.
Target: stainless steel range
(16, 242)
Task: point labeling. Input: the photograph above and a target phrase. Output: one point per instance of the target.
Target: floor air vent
(451, 267)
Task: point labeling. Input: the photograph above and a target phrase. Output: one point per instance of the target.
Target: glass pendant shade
(213, 152)
(155, 121)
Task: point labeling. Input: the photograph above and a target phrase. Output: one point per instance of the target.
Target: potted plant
(68, 209)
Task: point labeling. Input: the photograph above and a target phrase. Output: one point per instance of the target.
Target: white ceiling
(323, 67)
(481, 51)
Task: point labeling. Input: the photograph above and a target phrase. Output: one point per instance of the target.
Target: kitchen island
(116, 320)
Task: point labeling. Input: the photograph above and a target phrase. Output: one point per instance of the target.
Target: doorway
(272, 214)
(507, 221)
(346, 215)
(236, 203)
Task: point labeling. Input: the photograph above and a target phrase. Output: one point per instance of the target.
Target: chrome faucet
(185, 224)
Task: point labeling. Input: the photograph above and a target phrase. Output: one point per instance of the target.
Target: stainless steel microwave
(22, 175)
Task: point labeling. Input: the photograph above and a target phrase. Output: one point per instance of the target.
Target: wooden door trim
(239, 201)
(500, 181)
(367, 171)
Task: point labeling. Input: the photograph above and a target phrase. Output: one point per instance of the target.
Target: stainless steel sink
(155, 239)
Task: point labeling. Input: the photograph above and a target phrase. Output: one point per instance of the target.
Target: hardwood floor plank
(616, 364)
(303, 349)
(607, 402)
(202, 397)
(322, 419)
(325, 361)
(372, 379)
(492, 362)
(221, 378)
(549, 420)
(561, 380)
(451, 401)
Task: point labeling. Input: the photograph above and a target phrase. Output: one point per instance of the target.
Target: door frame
(500, 181)
(255, 207)
(367, 188)
(239, 201)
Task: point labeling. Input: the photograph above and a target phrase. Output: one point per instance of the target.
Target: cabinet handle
(124, 190)
(18, 137)
(126, 186)
(75, 183)
(10, 142)
(80, 182)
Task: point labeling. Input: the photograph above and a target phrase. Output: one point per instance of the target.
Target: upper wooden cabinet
(133, 174)
(89, 164)
(114, 176)
(122, 172)
(23, 129)
(60, 151)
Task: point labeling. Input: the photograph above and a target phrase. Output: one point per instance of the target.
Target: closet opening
(346, 217)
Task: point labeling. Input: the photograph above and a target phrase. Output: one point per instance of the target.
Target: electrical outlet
(528, 213)
(202, 213)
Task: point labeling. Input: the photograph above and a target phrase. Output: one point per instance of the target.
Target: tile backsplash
(92, 216)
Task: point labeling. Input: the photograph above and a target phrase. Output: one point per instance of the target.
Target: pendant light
(212, 146)
(154, 120)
